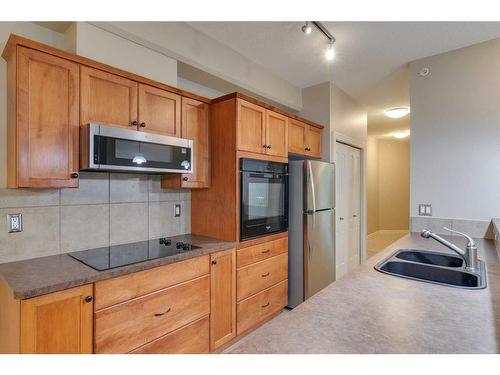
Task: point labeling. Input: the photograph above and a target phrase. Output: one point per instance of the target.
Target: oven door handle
(262, 175)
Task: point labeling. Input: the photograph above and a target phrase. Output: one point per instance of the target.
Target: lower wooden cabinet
(55, 323)
(222, 298)
(193, 338)
(261, 306)
(124, 327)
(262, 283)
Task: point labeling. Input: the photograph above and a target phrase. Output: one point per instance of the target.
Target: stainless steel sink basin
(433, 267)
(430, 257)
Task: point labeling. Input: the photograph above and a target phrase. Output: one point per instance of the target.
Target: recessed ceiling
(366, 52)
(371, 61)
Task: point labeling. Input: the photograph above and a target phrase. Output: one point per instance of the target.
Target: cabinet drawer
(124, 327)
(191, 339)
(257, 308)
(261, 251)
(119, 289)
(261, 275)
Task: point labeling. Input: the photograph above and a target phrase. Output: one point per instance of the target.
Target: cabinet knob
(265, 305)
(142, 125)
(134, 123)
(74, 175)
(264, 146)
(341, 218)
(214, 262)
(268, 146)
(265, 274)
(185, 178)
(88, 299)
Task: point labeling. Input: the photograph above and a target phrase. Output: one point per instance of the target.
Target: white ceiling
(372, 57)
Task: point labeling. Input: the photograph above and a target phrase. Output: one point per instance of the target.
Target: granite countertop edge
(38, 276)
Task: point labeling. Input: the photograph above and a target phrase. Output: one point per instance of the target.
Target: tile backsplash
(474, 228)
(107, 209)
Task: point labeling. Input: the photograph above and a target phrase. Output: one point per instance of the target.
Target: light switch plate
(15, 222)
(424, 210)
(177, 210)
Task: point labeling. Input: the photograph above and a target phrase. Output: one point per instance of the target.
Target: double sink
(433, 267)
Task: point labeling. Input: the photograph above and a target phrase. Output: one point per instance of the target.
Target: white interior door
(348, 205)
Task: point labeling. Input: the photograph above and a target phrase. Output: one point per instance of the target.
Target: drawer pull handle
(266, 251)
(267, 304)
(163, 313)
(265, 274)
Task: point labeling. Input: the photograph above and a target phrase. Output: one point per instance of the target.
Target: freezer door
(319, 185)
(319, 251)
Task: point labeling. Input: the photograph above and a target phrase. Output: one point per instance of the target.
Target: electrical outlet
(15, 223)
(177, 210)
(424, 210)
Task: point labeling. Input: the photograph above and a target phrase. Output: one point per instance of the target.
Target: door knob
(354, 215)
(341, 218)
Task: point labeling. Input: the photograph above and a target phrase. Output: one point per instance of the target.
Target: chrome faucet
(469, 255)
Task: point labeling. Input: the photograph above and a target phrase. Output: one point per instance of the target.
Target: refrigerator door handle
(310, 237)
(310, 186)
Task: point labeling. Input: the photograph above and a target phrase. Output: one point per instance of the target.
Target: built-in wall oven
(264, 197)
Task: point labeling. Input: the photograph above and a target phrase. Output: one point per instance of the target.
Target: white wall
(31, 31)
(316, 107)
(455, 133)
(103, 46)
(186, 44)
(348, 118)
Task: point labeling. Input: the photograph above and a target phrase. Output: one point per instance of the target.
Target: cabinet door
(296, 137)
(313, 142)
(276, 134)
(222, 298)
(251, 131)
(58, 323)
(106, 98)
(47, 120)
(159, 111)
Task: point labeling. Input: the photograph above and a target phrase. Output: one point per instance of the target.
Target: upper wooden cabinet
(58, 323)
(159, 111)
(222, 298)
(276, 134)
(42, 130)
(195, 126)
(251, 127)
(107, 98)
(261, 131)
(304, 139)
(313, 141)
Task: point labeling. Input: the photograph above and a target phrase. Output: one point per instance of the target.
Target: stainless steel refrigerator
(311, 231)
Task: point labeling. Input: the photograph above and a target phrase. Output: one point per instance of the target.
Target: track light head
(330, 51)
(307, 29)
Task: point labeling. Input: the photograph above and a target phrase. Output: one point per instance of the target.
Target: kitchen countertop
(34, 277)
(370, 312)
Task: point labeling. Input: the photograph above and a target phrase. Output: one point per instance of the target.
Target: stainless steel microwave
(110, 148)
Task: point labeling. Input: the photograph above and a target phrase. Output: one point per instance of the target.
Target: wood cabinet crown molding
(16, 40)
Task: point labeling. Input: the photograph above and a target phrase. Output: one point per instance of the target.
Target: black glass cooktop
(105, 258)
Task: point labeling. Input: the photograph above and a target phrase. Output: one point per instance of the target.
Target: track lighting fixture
(330, 51)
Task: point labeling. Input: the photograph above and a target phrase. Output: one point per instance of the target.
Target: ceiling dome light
(307, 28)
(400, 134)
(330, 52)
(397, 112)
